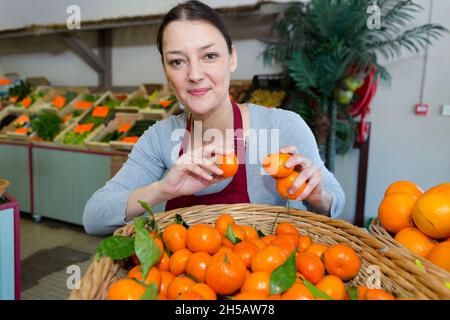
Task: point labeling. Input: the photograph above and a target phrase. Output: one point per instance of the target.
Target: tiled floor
(47, 249)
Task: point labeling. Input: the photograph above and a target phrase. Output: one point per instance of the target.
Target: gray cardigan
(151, 157)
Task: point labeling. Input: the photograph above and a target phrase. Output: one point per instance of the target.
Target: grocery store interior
(81, 81)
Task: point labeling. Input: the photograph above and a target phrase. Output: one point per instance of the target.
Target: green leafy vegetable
(46, 125)
(283, 277)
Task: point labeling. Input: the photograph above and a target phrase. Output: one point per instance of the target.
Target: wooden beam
(84, 52)
(105, 39)
(362, 180)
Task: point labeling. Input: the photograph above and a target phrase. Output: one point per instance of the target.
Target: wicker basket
(398, 274)
(384, 236)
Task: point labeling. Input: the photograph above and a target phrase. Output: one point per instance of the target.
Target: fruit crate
(158, 110)
(33, 99)
(59, 100)
(94, 142)
(397, 275)
(238, 89)
(136, 101)
(20, 129)
(86, 119)
(379, 232)
(7, 118)
(81, 105)
(265, 87)
(136, 131)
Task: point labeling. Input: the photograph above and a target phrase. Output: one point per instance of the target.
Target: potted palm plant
(328, 48)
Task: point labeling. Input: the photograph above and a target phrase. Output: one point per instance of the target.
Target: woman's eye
(211, 56)
(175, 62)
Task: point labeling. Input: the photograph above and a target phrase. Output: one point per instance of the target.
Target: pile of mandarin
(203, 262)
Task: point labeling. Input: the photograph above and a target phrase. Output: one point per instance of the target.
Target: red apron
(236, 190)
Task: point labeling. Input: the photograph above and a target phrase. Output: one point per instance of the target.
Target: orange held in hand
(284, 184)
(275, 165)
(229, 165)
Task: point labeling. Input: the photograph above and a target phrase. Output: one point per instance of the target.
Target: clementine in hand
(275, 165)
(285, 184)
(229, 165)
(341, 261)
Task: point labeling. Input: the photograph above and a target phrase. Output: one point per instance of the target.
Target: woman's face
(197, 64)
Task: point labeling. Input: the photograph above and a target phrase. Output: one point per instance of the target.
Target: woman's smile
(200, 92)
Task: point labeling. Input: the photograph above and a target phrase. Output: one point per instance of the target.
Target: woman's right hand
(194, 171)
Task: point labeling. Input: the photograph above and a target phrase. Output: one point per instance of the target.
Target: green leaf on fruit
(353, 293)
(179, 220)
(151, 217)
(283, 277)
(260, 234)
(116, 247)
(151, 293)
(231, 236)
(146, 250)
(316, 292)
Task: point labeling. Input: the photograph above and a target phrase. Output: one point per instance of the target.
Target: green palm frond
(413, 40)
(302, 70)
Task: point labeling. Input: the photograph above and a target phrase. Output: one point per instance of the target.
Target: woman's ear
(233, 59)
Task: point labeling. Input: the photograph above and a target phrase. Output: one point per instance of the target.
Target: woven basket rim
(384, 236)
(400, 275)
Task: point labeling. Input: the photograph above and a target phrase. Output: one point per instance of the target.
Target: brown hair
(193, 10)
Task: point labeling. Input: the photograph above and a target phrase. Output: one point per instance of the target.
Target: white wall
(403, 146)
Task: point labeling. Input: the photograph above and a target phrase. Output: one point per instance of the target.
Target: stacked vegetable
(46, 125)
(60, 101)
(267, 98)
(165, 103)
(136, 131)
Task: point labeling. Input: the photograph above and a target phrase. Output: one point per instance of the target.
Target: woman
(198, 56)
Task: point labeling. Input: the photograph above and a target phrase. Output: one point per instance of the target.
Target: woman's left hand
(310, 173)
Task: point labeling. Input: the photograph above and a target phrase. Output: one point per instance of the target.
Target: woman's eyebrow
(181, 52)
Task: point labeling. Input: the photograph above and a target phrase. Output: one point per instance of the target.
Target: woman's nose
(195, 72)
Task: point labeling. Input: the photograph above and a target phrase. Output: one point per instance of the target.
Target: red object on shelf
(422, 109)
(361, 107)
